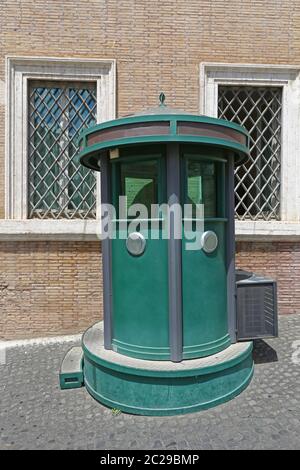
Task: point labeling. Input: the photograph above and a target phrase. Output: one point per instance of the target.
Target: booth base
(71, 373)
(161, 387)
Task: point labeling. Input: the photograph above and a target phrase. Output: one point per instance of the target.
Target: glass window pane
(139, 182)
(257, 182)
(201, 186)
(58, 185)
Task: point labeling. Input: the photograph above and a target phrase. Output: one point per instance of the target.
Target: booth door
(140, 280)
(204, 288)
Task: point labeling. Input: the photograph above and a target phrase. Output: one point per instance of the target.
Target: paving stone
(34, 411)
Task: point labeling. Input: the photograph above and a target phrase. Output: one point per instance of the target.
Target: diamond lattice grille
(59, 187)
(257, 183)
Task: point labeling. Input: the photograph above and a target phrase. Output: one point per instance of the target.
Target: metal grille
(256, 309)
(59, 187)
(257, 182)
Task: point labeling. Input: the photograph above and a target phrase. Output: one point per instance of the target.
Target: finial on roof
(162, 98)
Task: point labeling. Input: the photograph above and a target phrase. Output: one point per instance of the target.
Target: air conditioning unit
(256, 306)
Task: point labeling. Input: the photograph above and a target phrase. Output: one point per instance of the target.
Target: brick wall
(279, 260)
(158, 44)
(53, 288)
(49, 288)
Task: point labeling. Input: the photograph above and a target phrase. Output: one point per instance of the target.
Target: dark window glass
(201, 186)
(139, 182)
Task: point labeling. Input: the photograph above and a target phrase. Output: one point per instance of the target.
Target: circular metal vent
(209, 241)
(135, 244)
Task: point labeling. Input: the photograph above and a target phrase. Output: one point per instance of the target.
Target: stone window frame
(19, 70)
(288, 78)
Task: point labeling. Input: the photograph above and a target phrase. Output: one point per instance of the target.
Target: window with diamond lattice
(257, 182)
(59, 187)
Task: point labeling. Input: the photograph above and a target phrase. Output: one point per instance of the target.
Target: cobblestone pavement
(36, 414)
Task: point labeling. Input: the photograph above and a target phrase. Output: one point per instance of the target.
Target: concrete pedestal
(162, 387)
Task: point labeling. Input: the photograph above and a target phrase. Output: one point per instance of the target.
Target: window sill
(267, 230)
(88, 230)
(35, 229)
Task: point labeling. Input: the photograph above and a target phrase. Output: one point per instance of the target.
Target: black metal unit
(256, 306)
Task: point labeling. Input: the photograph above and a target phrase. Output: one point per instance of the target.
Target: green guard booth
(167, 343)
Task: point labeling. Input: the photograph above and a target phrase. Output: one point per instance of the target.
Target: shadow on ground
(263, 353)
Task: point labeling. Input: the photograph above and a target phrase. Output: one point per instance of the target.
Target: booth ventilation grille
(256, 309)
(59, 187)
(257, 182)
